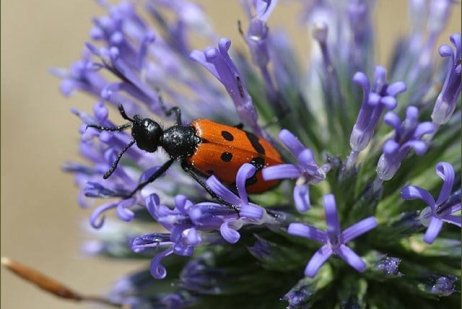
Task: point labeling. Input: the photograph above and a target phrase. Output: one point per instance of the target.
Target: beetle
(204, 148)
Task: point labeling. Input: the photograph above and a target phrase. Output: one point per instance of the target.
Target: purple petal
(251, 212)
(216, 186)
(192, 236)
(424, 128)
(350, 257)
(157, 210)
(445, 50)
(333, 225)
(264, 8)
(396, 88)
(446, 172)
(389, 102)
(96, 217)
(182, 203)
(392, 119)
(149, 241)
(229, 234)
(101, 112)
(361, 79)
(433, 230)
(281, 171)
(210, 215)
(309, 232)
(412, 114)
(123, 212)
(158, 271)
(317, 260)
(245, 171)
(183, 249)
(454, 208)
(374, 99)
(390, 147)
(419, 147)
(302, 198)
(414, 192)
(451, 219)
(306, 158)
(291, 142)
(152, 202)
(358, 229)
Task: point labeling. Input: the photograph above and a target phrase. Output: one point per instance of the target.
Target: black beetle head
(146, 133)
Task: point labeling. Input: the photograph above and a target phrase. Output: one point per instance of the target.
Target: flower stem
(51, 285)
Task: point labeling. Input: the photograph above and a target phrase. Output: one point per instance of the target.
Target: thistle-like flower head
(349, 134)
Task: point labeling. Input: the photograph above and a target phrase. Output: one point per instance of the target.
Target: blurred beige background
(40, 221)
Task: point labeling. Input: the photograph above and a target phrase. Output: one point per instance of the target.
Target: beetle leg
(153, 177)
(168, 112)
(188, 169)
(177, 112)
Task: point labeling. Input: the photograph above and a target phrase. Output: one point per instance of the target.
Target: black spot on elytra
(255, 141)
(227, 136)
(258, 162)
(226, 156)
(209, 172)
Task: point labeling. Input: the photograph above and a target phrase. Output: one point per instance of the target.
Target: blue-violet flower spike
(218, 62)
(376, 98)
(333, 240)
(447, 99)
(408, 135)
(306, 170)
(441, 210)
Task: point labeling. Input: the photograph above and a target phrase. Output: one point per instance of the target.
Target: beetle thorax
(180, 141)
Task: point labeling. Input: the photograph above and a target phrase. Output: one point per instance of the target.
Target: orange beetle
(204, 148)
(223, 149)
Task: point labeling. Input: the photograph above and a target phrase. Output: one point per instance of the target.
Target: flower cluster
(338, 230)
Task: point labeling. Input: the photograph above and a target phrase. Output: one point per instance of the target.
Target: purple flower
(127, 40)
(138, 52)
(188, 18)
(306, 170)
(441, 210)
(333, 240)
(257, 38)
(320, 34)
(257, 33)
(376, 99)
(181, 240)
(82, 76)
(183, 233)
(218, 62)
(408, 135)
(190, 224)
(448, 97)
(413, 61)
(359, 18)
(249, 213)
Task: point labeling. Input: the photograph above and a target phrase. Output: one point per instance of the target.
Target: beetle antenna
(101, 128)
(124, 114)
(118, 128)
(116, 162)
